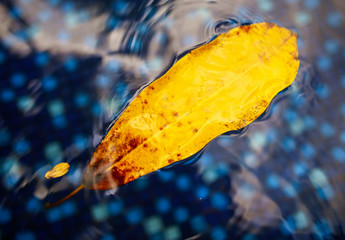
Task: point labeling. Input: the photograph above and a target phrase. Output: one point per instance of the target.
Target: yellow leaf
(219, 87)
(58, 171)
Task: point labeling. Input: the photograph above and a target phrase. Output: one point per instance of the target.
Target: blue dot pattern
(67, 69)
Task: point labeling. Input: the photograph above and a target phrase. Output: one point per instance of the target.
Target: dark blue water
(68, 68)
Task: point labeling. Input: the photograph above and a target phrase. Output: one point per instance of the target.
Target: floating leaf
(58, 170)
(221, 86)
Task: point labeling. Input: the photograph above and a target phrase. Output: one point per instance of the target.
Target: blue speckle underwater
(68, 67)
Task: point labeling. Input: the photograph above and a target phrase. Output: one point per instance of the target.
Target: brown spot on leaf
(162, 115)
(145, 145)
(134, 142)
(270, 25)
(106, 181)
(170, 160)
(131, 178)
(120, 175)
(179, 124)
(118, 159)
(195, 130)
(294, 55)
(179, 154)
(245, 28)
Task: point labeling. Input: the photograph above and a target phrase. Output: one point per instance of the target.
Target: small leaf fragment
(58, 170)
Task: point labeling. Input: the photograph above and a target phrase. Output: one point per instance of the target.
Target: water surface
(68, 68)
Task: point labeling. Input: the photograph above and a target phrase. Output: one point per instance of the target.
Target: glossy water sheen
(67, 70)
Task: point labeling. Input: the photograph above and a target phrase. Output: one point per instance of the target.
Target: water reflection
(69, 67)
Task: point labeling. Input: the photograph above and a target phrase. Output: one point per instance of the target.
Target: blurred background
(67, 68)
